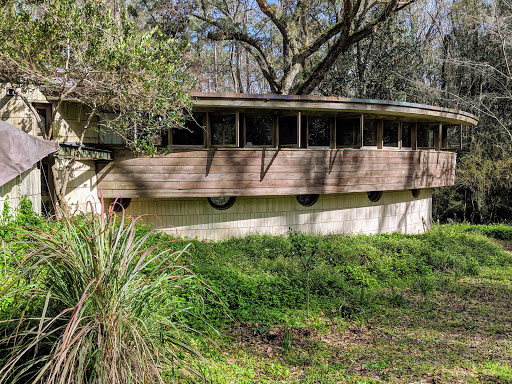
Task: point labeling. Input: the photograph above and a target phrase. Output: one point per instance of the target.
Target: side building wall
(69, 122)
(28, 185)
(351, 213)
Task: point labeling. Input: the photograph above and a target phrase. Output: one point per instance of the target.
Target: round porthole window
(307, 200)
(222, 202)
(374, 195)
(415, 193)
(121, 204)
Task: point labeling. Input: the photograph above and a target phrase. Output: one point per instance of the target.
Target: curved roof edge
(323, 103)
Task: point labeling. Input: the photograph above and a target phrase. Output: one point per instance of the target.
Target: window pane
(425, 136)
(406, 134)
(319, 132)
(258, 130)
(370, 132)
(288, 130)
(347, 131)
(192, 134)
(223, 129)
(390, 134)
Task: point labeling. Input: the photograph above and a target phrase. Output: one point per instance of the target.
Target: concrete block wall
(82, 187)
(350, 213)
(69, 122)
(14, 111)
(27, 184)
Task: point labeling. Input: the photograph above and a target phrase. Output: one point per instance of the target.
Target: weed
(288, 340)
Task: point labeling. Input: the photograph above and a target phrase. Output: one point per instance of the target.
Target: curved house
(269, 164)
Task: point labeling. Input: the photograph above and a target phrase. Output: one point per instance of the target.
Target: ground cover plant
(320, 309)
(84, 299)
(264, 279)
(383, 308)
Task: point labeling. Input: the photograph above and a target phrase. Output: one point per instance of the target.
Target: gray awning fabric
(19, 151)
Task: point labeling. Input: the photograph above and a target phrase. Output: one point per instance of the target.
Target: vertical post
(299, 130)
(207, 132)
(444, 141)
(277, 130)
(274, 130)
(399, 135)
(361, 129)
(414, 136)
(438, 137)
(237, 129)
(460, 138)
(380, 133)
(244, 133)
(333, 133)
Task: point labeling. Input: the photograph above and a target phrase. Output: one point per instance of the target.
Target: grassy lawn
(457, 334)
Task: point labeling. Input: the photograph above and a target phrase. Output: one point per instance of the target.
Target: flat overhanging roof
(334, 104)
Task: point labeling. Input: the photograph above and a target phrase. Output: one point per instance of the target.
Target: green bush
(93, 302)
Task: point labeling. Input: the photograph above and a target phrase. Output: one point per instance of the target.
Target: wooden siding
(243, 172)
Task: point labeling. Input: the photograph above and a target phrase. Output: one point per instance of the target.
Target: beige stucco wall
(27, 184)
(337, 213)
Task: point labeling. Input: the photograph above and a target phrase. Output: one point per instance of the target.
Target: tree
(295, 43)
(92, 54)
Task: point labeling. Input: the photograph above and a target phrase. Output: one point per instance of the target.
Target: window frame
(191, 146)
(431, 126)
(378, 133)
(445, 145)
(244, 131)
(298, 114)
(398, 133)
(356, 137)
(305, 135)
(48, 112)
(413, 127)
(237, 129)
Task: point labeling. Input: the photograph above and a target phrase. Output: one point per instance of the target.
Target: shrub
(100, 306)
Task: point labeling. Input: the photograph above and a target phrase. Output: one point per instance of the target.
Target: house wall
(271, 172)
(27, 184)
(82, 187)
(14, 111)
(351, 213)
(69, 123)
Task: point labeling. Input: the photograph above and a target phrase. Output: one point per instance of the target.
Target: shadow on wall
(28, 185)
(15, 112)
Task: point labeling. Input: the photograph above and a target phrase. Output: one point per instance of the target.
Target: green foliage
(104, 60)
(24, 215)
(92, 302)
(263, 279)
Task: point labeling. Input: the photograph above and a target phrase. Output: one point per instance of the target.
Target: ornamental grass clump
(95, 305)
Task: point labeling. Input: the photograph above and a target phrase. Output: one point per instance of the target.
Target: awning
(87, 152)
(19, 151)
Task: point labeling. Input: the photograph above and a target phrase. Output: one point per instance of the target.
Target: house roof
(309, 103)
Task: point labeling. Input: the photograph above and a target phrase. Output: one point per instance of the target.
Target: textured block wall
(82, 187)
(27, 184)
(350, 213)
